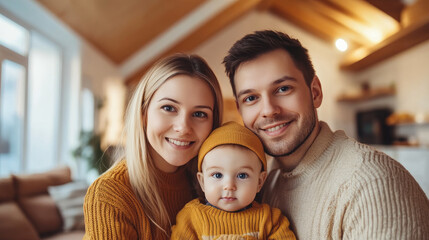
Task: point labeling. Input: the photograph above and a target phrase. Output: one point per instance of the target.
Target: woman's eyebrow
(177, 102)
(204, 106)
(169, 99)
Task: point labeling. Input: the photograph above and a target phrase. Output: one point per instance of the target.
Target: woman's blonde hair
(141, 167)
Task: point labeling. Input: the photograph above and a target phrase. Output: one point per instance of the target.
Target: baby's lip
(228, 198)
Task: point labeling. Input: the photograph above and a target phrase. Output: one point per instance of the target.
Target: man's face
(275, 102)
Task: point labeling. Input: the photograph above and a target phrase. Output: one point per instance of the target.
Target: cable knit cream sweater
(343, 189)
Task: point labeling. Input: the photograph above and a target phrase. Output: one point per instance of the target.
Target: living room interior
(52, 112)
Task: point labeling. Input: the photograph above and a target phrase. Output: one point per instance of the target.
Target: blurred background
(68, 68)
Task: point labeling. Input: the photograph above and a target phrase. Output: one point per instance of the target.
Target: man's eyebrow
(284, 78)
(278, 81)
(177, 102)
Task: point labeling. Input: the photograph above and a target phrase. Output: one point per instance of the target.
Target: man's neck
(291, 161)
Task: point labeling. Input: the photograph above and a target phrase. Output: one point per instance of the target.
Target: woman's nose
(182, 125)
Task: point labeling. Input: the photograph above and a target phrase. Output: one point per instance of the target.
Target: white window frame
(33, 17)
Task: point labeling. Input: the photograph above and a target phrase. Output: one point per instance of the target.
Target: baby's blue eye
(242, 175)
(217, 175)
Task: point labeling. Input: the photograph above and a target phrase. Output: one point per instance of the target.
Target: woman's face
(179, 119)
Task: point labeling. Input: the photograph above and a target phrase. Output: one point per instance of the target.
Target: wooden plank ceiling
(374, 29)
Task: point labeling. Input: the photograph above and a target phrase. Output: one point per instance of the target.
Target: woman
(174, 108)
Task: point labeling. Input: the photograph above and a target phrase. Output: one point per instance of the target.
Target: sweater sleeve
(278, 228)
(108, 214)
(184, 228)
(388, 207)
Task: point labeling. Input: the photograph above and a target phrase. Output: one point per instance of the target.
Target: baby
(231, 170)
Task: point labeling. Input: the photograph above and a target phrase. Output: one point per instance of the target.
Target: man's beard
(284, 147)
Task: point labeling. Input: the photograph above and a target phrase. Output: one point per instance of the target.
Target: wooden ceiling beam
(202, 33)
(361, 28)
(392, 8)
(401, 41)
(303, 14)
(120, 28)
(369, 14)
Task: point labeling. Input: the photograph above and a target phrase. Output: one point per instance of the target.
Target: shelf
(367, 95)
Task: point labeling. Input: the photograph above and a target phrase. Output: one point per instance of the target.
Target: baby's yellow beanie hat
(232, 133)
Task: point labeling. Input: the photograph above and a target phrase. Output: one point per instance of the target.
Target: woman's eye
(242, 175)
(249, 99)
(283, 89)
(168, 108)
(200, 114)
(217, 175)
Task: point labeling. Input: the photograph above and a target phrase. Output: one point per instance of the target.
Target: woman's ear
(200, 177)
(261, 180)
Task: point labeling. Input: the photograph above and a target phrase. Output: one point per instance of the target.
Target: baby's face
(231, 176)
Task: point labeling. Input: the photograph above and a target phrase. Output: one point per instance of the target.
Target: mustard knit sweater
(112, 211)
(343, 189)
(200, 221)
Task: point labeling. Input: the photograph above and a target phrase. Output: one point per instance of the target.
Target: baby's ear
(200, 177)
(262, 177)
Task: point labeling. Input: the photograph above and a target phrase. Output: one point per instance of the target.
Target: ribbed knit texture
(200, 221)
(232, 133)
(112, 210)
(343, 189)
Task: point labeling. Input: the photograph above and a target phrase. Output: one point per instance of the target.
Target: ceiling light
(374, 35)
(341, 44)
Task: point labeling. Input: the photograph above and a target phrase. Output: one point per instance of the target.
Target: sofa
(39, 206)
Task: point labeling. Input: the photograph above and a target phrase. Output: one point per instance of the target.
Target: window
(31, 70)
(11, 116)
(13, 36)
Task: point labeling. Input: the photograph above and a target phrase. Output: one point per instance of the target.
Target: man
(327, 184)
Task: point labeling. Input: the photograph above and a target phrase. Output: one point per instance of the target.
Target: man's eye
(168, 108)
(242, 175)
(249, 99)
(217, 175)
(200, 114)
(283, 89)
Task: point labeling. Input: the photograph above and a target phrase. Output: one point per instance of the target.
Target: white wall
(103, 77)
(409, 73)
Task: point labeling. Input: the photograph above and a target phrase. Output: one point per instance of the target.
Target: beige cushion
(14, 225)
(69, 199)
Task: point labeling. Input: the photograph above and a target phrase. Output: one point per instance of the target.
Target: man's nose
(269, 107)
